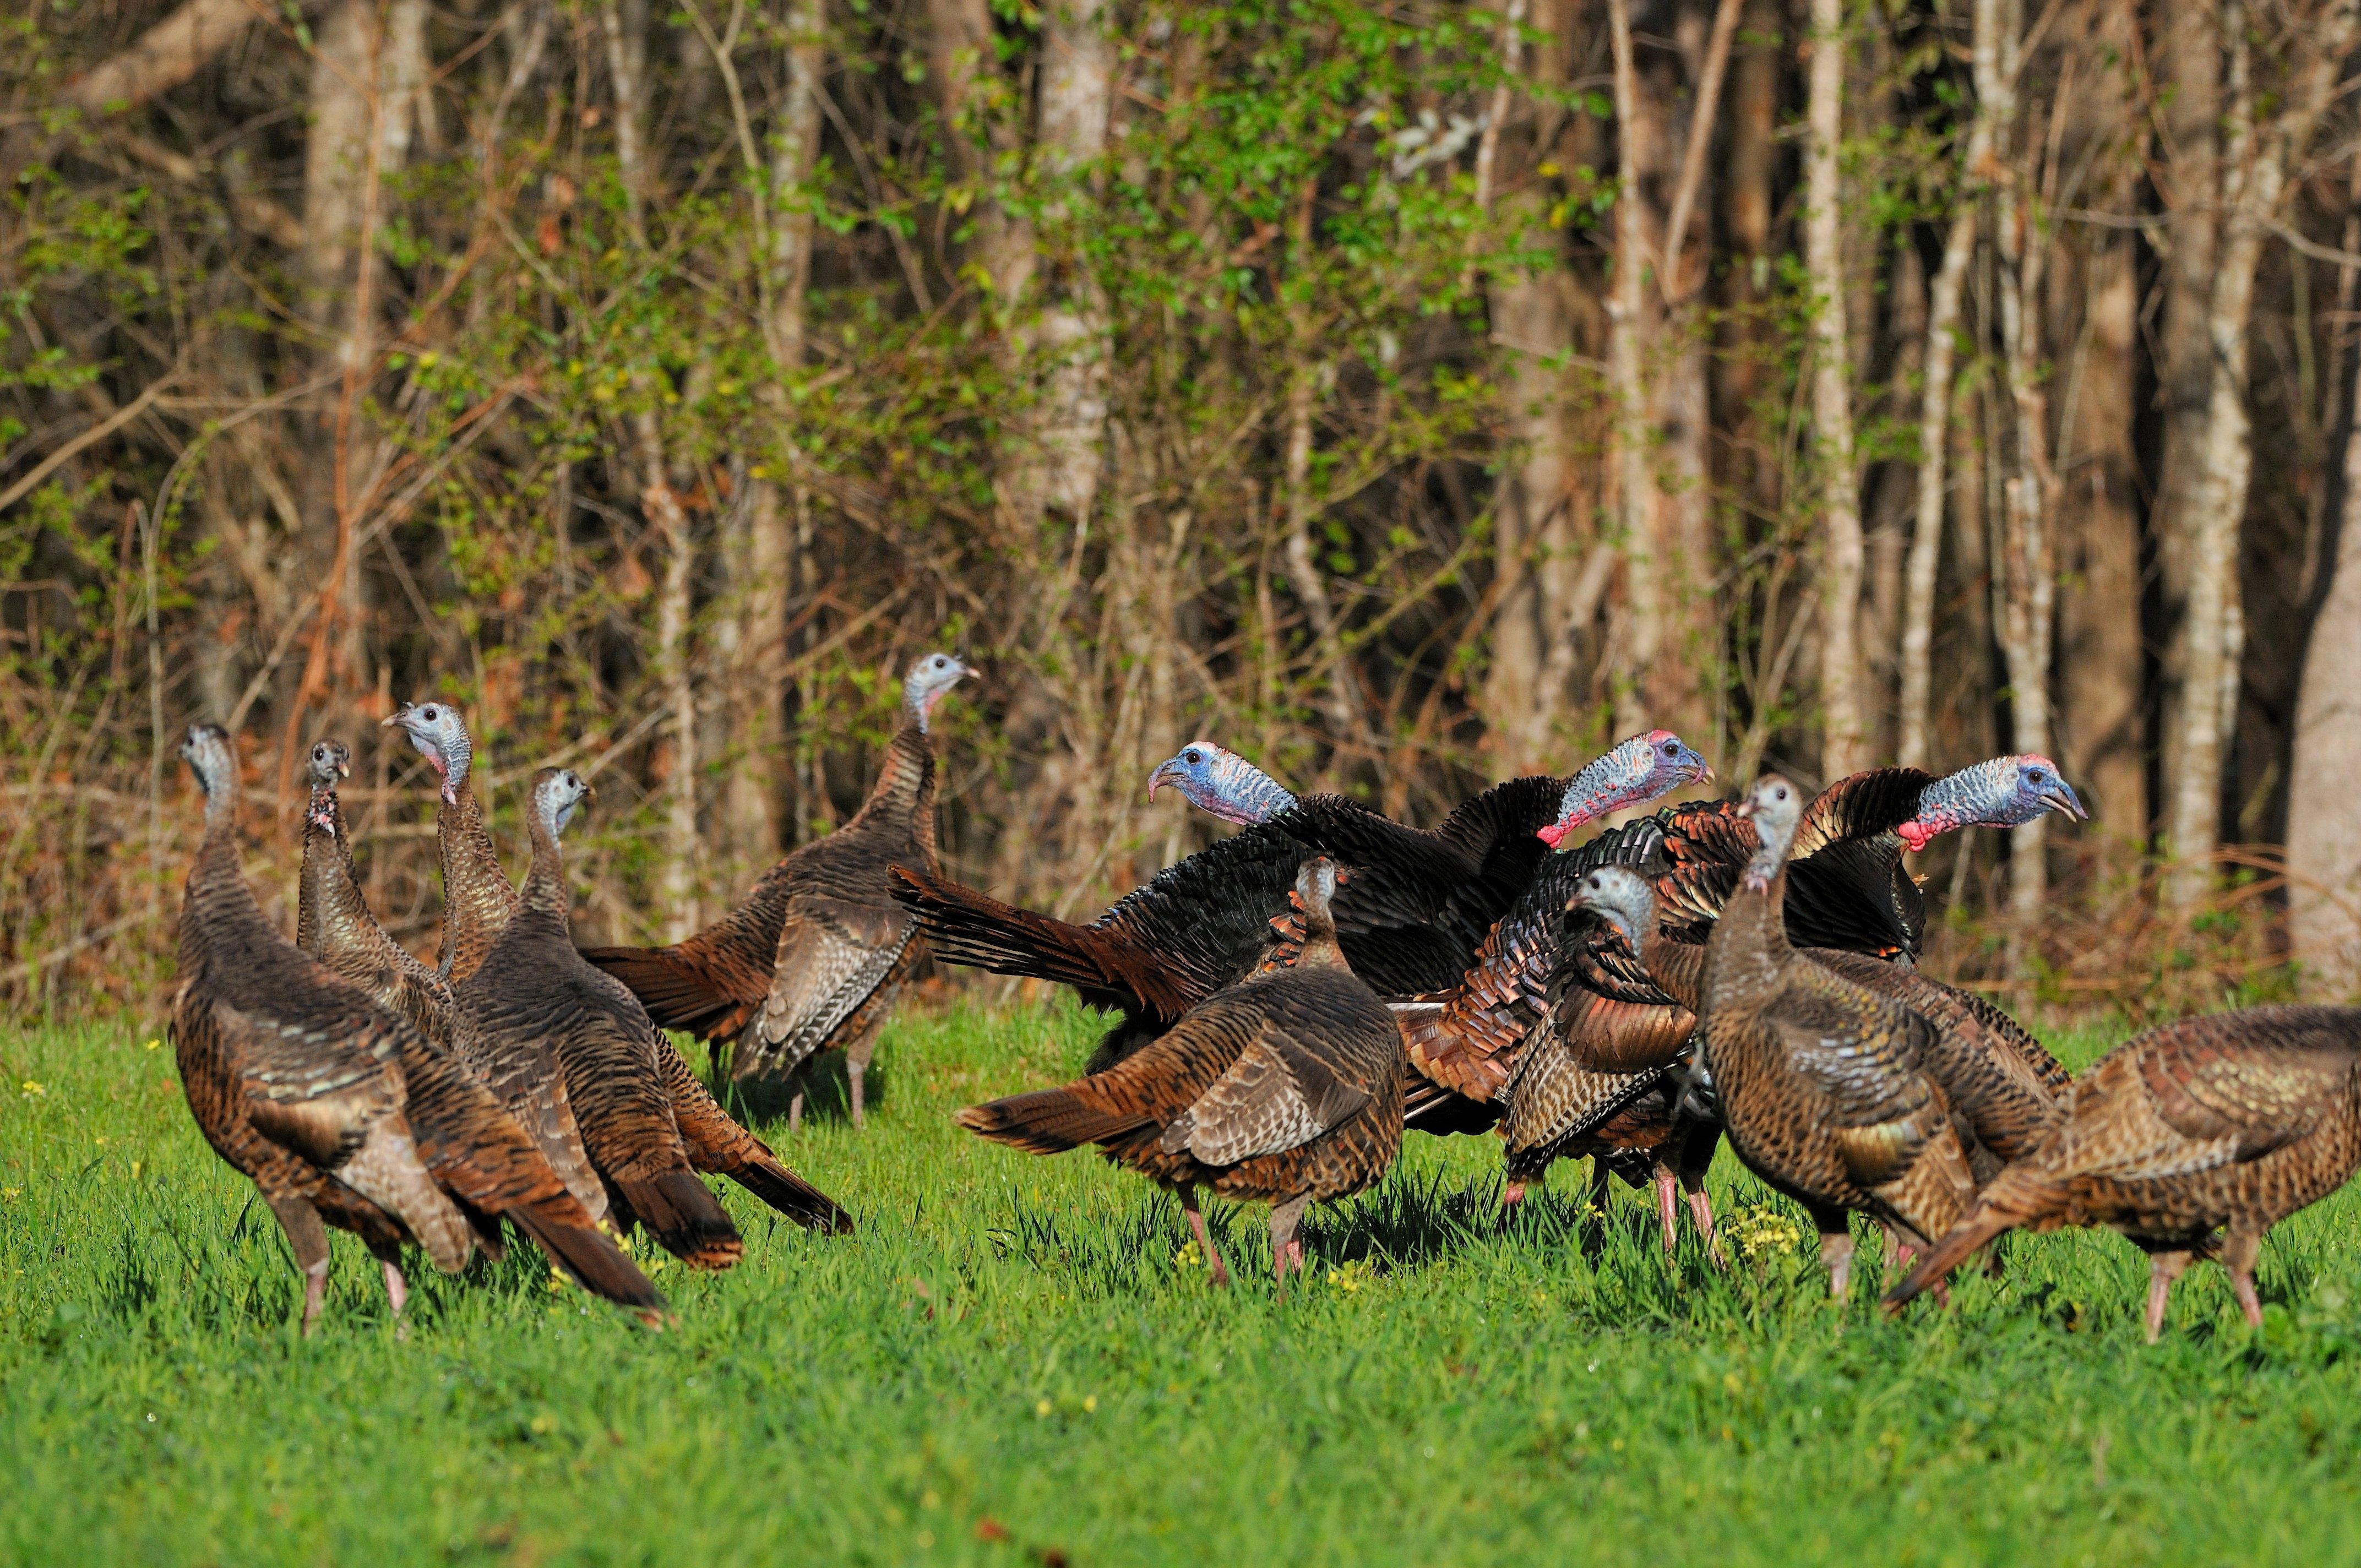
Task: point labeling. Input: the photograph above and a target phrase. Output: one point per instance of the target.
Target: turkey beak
(1746, 809)
(1701, 774)
(1169, 773)
(396, 720)
(2060, 796)
(343, 769)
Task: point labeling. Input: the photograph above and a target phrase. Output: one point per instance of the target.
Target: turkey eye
(428, 715)
(1192, 759)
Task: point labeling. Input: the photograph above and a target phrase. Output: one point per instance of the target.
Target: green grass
(1009, 1364)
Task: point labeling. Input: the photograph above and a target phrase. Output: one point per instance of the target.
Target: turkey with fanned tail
(1558, 1005)
(1411, 909)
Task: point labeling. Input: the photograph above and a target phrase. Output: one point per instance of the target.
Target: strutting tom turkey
(1409, 912)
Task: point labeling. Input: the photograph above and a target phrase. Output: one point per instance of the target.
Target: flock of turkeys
(1288, 1002)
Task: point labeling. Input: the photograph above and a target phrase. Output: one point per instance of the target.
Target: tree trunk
(1057, 462)
(368, 67)
(754, 802)
(1348, 727)
(1643, 639)
(2102, 729)
(2026, 583)
(1841, 745)
(963, 63)
(2191, 48)
(2324, 831)
(1658, 372)
(672, 661)
(2254, 181)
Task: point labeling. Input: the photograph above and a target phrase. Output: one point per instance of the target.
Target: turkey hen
(478, 901)
(332, 921)
(1409, 914)
(2230, 1123)
(339, 1112)
(1285, 1088)
(1826, 1088)
(812, 959)
(575, 1052)
(1625, 1056)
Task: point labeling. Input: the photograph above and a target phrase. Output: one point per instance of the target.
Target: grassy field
(1013, 1362)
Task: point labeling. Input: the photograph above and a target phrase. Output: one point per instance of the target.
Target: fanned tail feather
(683, 1215)
(2019, 1195)
(965, 927)
(1048, 1121)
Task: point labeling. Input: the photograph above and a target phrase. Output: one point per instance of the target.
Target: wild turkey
(1286, 1088)
(1826, 1088)
(1411, 911)
(338, 1110)
(332, 921)
(478, 901)
(1606, 1081)
(2230, 1122)
(573, 1051)
(812, 959)
(1847, 892)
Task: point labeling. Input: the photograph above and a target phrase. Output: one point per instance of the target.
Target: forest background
(1405, 395)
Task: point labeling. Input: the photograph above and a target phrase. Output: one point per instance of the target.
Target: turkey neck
(323, 833)
(477, 898)
(1320, 949)
(217, 892)
(545, 898)
(330, 902)
(906, 784)
(1748, 946)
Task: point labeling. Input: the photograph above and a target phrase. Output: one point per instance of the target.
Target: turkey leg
(1286, 1252)
(308, 1239)
(2164, 1267)
(1214, 1266)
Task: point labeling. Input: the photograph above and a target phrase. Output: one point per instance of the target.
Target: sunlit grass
(1018, 1357)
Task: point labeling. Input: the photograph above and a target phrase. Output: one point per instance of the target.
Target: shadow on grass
(764, 1105)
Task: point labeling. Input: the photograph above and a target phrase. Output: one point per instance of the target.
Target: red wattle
(1917, 835)
(1552, 834)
